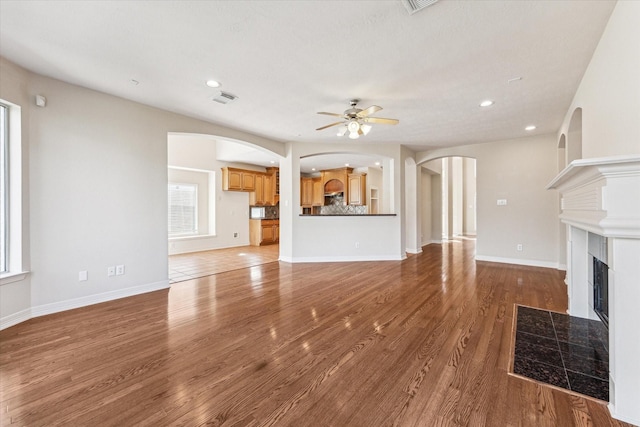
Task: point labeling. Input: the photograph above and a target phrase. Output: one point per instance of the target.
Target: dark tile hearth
(561, 350)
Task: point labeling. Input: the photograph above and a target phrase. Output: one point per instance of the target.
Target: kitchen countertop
(347, 215)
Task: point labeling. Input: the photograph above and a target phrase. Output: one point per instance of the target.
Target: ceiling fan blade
(331, 114)
(380, 120)
(332, 124)
(368, 111)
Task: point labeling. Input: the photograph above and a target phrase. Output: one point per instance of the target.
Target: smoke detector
(225, 98)
(414, 6)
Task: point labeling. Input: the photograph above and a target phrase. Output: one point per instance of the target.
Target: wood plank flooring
(200, 264)
(422, 342)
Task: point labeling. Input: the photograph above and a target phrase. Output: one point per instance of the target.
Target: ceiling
(287, 60)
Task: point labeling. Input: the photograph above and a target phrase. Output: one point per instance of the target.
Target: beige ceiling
(287, 60)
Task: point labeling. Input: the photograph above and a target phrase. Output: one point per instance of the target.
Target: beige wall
(517, 170)
(609, 93)
(97, 193)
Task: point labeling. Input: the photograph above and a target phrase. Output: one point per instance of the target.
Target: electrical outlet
(519, 247)
(357, 245)
(83, 276)
(235, 234)
(119, 270)
(502, 202)
(111, 271)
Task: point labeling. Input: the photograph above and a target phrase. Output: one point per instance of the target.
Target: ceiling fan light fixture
(354, 135)
(353, 126)
(342, 130)
(365, 128)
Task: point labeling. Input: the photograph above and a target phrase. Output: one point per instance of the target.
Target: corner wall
(609, 93)
(97, 193)
(517, 170)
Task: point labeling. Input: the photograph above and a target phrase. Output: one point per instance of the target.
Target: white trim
(612, 411)
(56, 307)
(414, 251)
(7, 278)
(363, 258)
(517, 261)
(190, 237)
(15, 318)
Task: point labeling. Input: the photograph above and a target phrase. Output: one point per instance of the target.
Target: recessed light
(377, 163)
(486, 103)
(273, 162)
(346, 164)
(313, 169)
(530, 128)
(213, 83)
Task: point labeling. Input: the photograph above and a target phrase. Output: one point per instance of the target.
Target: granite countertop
(344, 214)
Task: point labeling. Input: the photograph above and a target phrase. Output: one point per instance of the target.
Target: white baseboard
(517, 261)
(414, 251)
(363, 258)
(15, 318)
(56, 307)
(623, 418)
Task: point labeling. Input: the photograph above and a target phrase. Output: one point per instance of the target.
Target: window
(4, 188)
(183, 209)
(11, 262)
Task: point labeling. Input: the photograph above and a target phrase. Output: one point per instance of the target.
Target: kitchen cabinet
(357, 189)
(238, 179)
(264, 231)
(269, 191)
(317, 192)
(265, 192)
(306, 192)
(259, 196)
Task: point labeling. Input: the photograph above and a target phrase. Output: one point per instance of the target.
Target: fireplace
(601, 290)
(601, 209)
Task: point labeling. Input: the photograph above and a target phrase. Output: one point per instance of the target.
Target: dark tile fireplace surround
(563, 351)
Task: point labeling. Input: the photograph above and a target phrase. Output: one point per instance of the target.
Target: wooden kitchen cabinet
(264, 231)
(357, 189)
(317, 192)
(264, 194)
(238, 179)
(259, 196)
(306, 192)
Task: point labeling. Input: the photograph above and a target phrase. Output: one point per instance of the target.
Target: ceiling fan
(357, 120)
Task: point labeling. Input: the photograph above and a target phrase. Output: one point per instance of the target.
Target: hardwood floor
(422, 342)
(205, 263)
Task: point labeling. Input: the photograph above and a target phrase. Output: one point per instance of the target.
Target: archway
(574, 137)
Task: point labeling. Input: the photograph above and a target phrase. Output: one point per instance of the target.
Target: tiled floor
(564, 351)
(199, 264)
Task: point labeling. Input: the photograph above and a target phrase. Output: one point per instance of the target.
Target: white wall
(97, 193)
(314, 239)
(469, 196)
(517, 170)
(609, 93)
(426, 206)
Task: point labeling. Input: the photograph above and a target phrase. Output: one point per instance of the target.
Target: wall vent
(414, 6)
(225, 98)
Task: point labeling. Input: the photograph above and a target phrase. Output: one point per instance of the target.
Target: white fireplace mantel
(602, 196)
